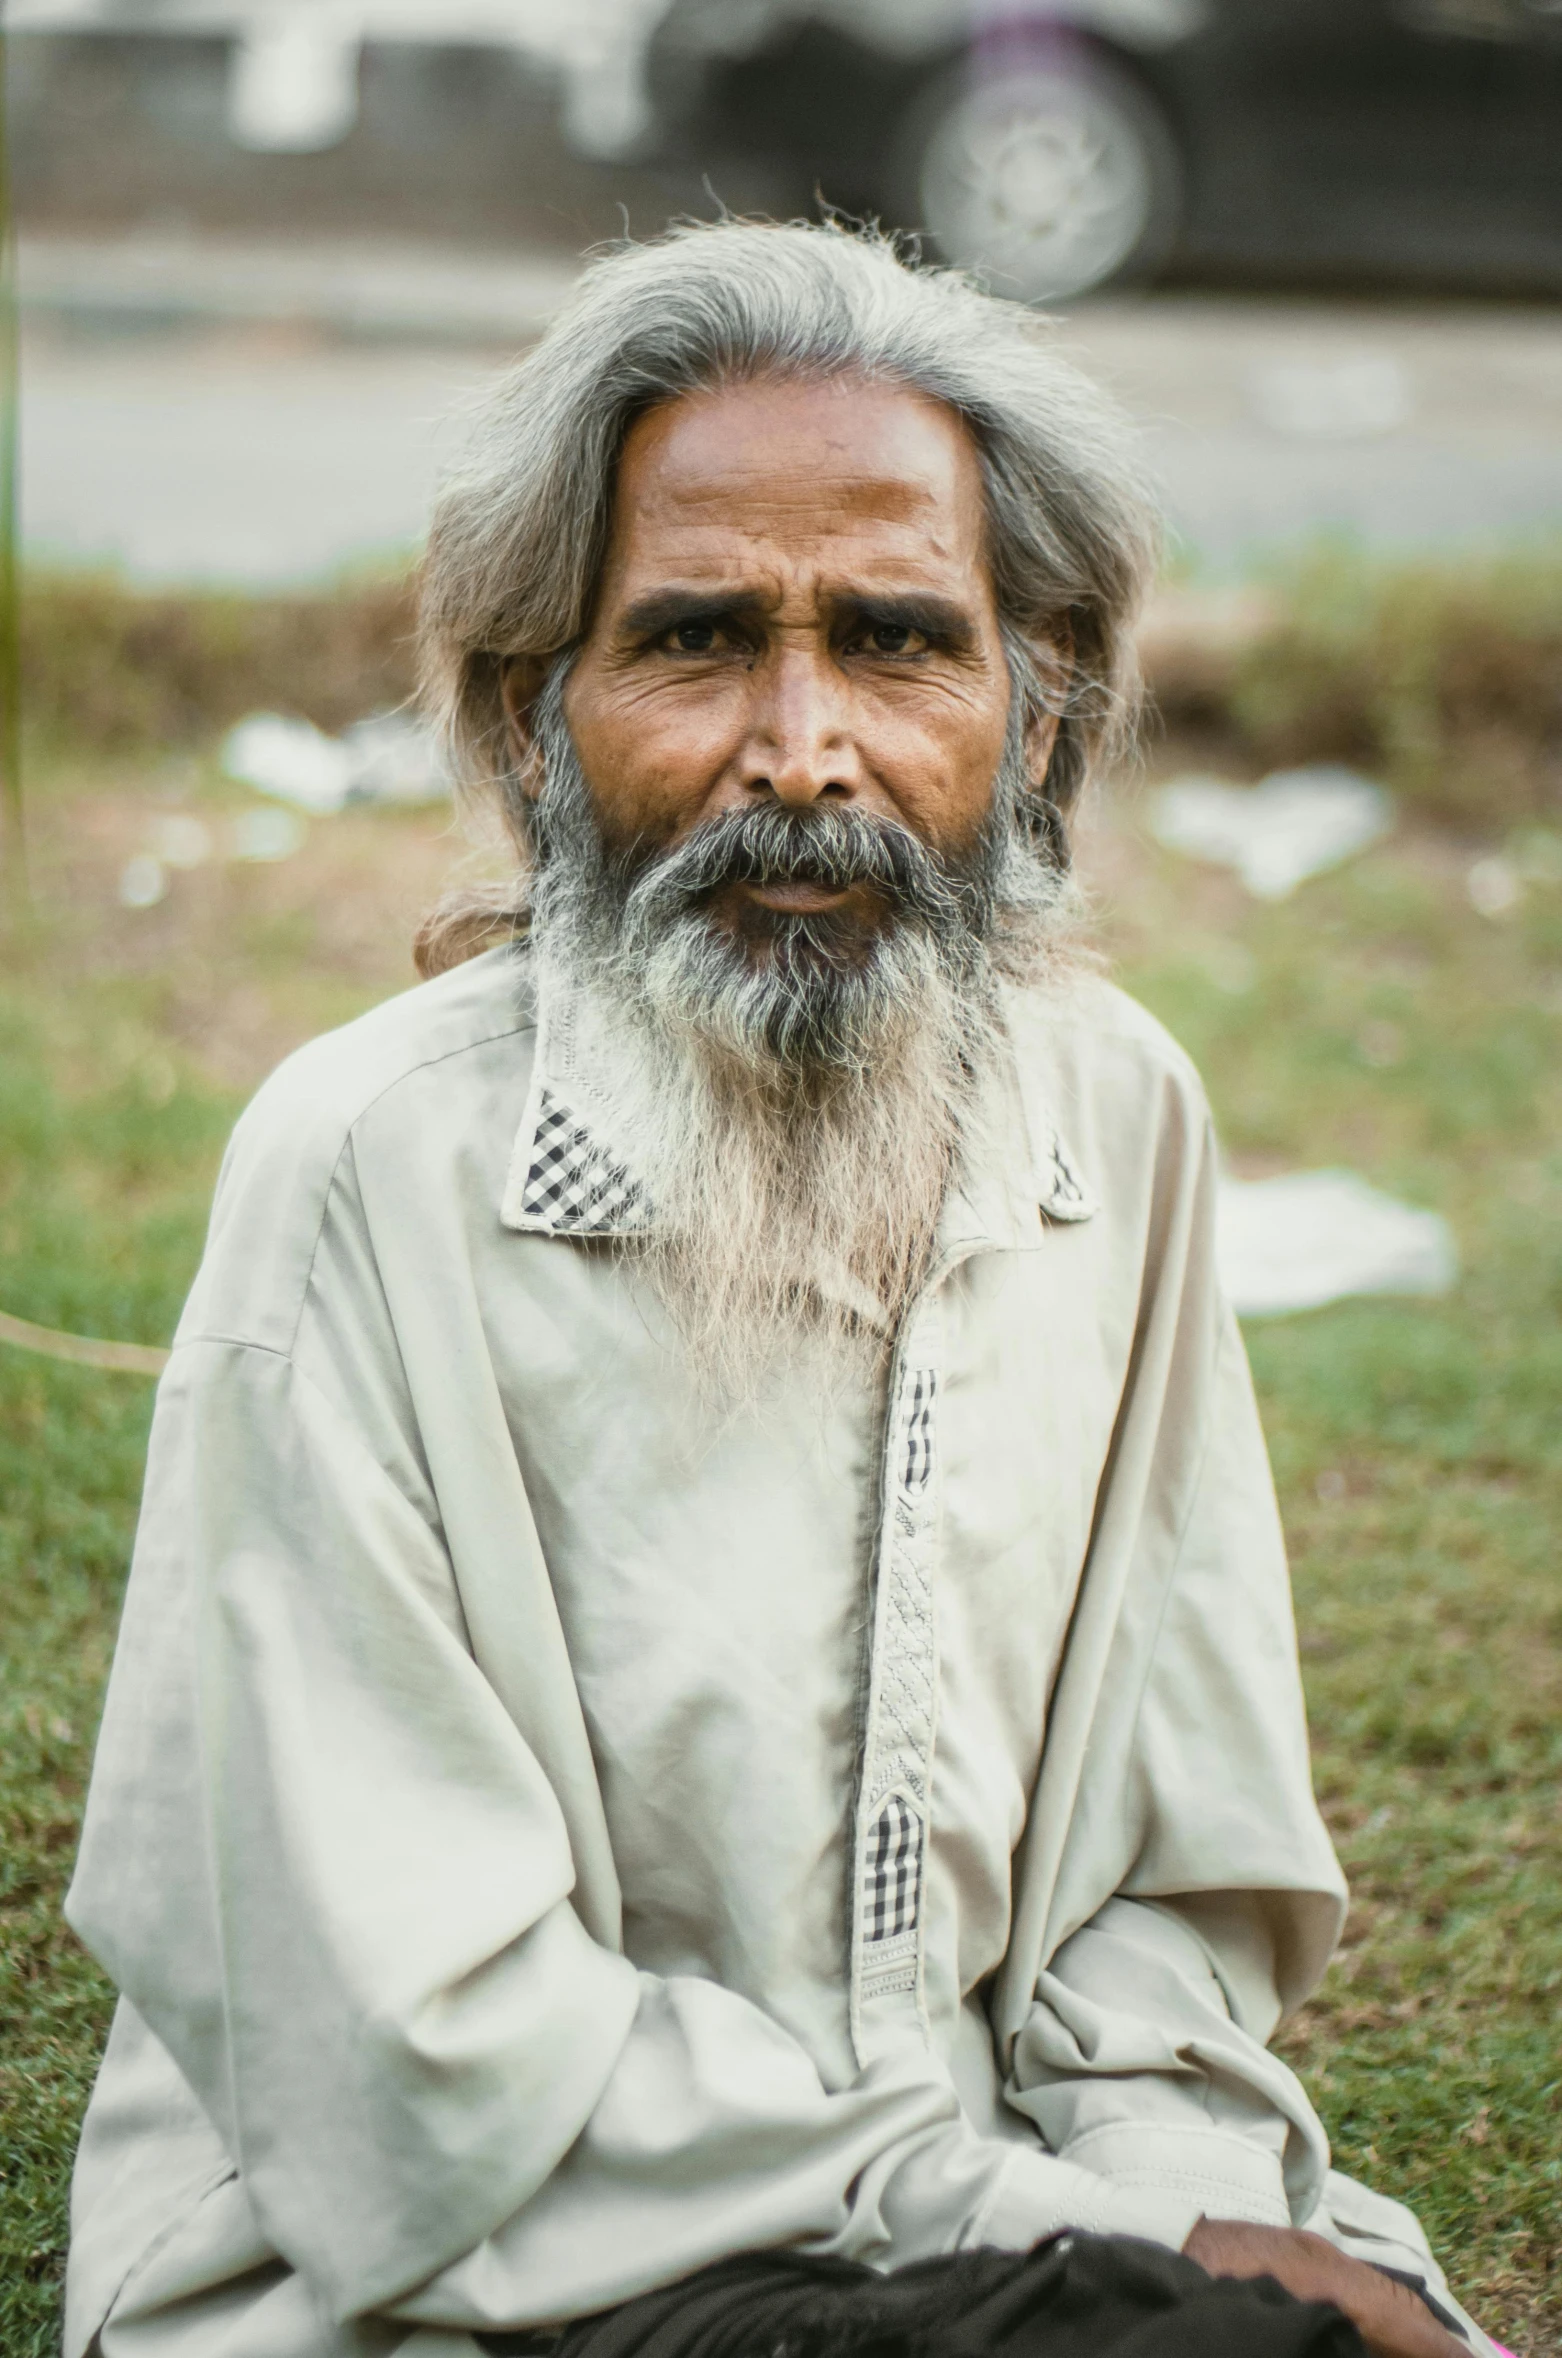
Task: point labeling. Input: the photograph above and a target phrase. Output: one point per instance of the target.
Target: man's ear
(1052, 653)
(520, 684)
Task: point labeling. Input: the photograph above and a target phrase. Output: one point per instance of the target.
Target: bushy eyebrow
(661, 610)
(943, 620)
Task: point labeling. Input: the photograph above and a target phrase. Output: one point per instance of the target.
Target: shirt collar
(568, 1178)
(1022, 1176)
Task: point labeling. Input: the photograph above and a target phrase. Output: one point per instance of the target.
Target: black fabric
(1444, 2316)
(1075, 2296)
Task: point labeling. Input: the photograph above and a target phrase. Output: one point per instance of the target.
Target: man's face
(762, 849)
(795, 613)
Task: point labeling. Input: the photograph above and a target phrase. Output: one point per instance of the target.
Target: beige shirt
(550, 1834)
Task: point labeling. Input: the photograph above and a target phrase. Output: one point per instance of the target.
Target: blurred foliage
(1444, 679)
(113, 669)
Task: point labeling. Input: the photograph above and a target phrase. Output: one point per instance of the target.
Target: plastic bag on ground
(385, 759)
(1310, 1237)
(395, 760)
(290, 759)
(1292, 825)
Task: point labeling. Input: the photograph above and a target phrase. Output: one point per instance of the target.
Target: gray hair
(521, 528)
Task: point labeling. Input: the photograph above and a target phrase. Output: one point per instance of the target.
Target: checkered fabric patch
(1065, 1194)
(894, 1871)
(569, 1182)
(917, 1470)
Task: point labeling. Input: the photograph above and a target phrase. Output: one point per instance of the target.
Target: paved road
(244, 458)
(204, 416)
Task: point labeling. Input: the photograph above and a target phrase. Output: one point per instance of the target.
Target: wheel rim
(1045, 181)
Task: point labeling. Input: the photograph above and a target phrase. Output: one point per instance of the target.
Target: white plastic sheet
(387, 758)
(291, 759)
(264, 834)
(1292, 825)
(180, 840)
(1310, 1237)
(143, 881)
(395, 760)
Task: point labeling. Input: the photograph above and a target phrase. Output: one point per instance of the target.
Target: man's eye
(892, 638)
(694, 638)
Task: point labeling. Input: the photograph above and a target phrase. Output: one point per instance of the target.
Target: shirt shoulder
(1096, 1045)
(291, 1141)
(1120, 1101)
(328, 1085)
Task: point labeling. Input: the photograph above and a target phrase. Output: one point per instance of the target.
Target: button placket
(894, 1808)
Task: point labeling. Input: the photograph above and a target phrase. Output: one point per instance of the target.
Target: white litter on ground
(266, 834)
(291, 759)
(1291, 825)
(1311, 1237)
(1494, 886)
(143, 881)
(180, 841)
(388, 759)
(396, 760)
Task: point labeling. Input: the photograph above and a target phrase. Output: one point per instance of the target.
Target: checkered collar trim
(1055, 1181)
(570, 1184)
(567, 1183)
(567, 1179)
(1062, 1193)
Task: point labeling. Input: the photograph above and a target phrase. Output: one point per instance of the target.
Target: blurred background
(263, 251)
(1317, 243)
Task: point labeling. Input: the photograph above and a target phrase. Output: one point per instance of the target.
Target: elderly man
(708, 1707)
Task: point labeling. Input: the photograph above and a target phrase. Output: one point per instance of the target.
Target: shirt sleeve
(1133, 2065)
(1143, 2053)
(325, 1867)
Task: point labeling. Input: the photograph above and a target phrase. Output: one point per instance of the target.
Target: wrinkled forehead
(843, 470)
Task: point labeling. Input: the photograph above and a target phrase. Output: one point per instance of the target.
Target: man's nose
(799, 746)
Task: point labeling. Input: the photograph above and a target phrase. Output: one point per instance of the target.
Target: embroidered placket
(895, 1791)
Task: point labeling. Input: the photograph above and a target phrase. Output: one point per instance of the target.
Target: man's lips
(798, 898)
(757, 907)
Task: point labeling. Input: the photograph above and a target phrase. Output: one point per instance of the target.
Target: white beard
(795, 1187)
(782, 1217)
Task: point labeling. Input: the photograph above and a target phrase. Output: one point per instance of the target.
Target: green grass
(102, 1205)
(1375, 1021)
(70, 1453)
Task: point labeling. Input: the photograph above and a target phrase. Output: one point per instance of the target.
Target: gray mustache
(835, 849)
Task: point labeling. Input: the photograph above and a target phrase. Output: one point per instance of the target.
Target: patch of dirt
(242, 955)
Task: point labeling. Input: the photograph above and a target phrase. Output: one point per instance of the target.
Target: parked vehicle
(1059, 145)
(1066, 148)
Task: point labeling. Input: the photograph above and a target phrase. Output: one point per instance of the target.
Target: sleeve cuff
(1228, 2177)
(1042, 2194)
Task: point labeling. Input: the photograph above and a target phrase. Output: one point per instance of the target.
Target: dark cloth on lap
(1075, 2296)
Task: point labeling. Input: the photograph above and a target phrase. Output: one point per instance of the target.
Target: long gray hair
(520, 530)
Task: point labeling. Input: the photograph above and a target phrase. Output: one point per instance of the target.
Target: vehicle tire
(1049, 178)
